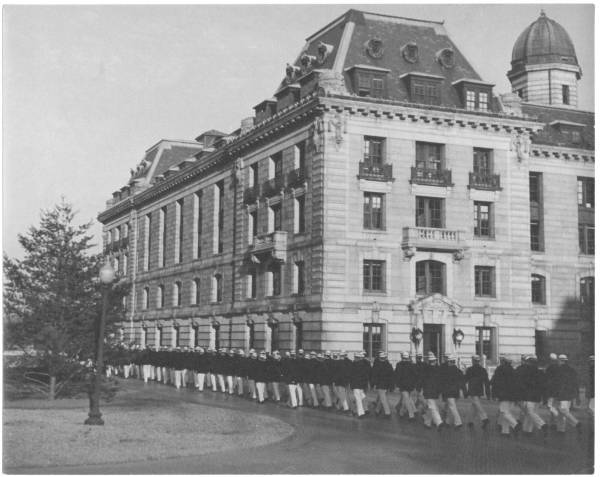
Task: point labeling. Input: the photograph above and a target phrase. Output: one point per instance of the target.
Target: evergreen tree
(52, 296)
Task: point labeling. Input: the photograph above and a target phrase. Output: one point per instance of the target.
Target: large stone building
(385, 197)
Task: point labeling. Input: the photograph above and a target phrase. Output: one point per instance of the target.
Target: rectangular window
(586, 239)
(299, 215)
(221, 209)
(274, 336)
(217, 335)
(218, 288)
(162, 226)
(147, 241)
(430, 156)
(276, 217)
(373, 211)
(373, 151)
(253, 175)
(370, 85)
(299, 278)
(485, 343)
(196, 291)
(484, 281)
(196, 332)
(274, 280)
(198, 224)
(536, 210)
(299, 335)
(430, 212)
(177, 336)
(565, 94)
(300, 156)
(425, 92)
(251, 284)
(252, 226)
(430, 277)
(482, 161)
(372, 339)
(586, 291)
(160, 296)
(470, 100)
(276, 166)
(377, 87)
(483, 101)
(538, 289)
(373, 275)
(482, 219)
(251, 335)
(163, 339)
(586, 192)
(179, 231)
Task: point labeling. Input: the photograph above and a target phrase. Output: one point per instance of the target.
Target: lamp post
(107, 275)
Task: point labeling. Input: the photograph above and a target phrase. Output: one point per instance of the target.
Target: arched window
(430, 277)
(195, 295)
(538, 289)
(217, 290)
(160, 296)
(146, 298)
(177, 294)
(586, 291)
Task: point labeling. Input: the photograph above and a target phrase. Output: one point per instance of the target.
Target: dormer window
(369, 81)
(570, 131)
(424, 88)
(446, 57)
(475, 94)
(410, 52)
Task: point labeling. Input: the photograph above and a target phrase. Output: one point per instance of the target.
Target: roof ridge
(403, 18)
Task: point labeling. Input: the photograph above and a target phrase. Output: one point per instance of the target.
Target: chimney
(246, 125)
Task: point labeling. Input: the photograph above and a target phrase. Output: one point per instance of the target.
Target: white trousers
(506, 418)
(342, 397)
(406, 404)
(476, 409)
(359, 396)
(452, 414)
(295, 395)
(432, 413)
(147, 372)
(252, 388)
(199, 381)
(276, 393)
(213, 381)
(382, 402)
(532, 419)
(260, 390)
(565, 416)
(326, 389)
(178, 377)
(239, 382)
(313, 395)
(229, 384)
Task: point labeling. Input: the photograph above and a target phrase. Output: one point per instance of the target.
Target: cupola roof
(544, 41)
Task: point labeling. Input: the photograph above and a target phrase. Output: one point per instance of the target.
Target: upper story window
(426, 92)
(177, 294)
(484, 281)
(429, 212)
(373, 211)
(430, 277)
(538, 289)
(299, 210)
(217, 290)
(275, 217)
(475, 94)
(430, 156)
(482, 161)
(274, 280)
(587, 236)
(373, 275)
(146, 298)
(482, 218)
(160, 296)
(253, 175)
(369, 81)
(195, 292)
(565, 94)
(373, 150)
(276, 166)
(299, 284)
(585, 192)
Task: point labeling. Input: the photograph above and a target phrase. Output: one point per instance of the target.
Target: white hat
(553, 356)
(431, 356)
(405, 355)
(563, 356)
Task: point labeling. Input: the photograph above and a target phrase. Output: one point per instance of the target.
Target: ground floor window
(586, 291)
(274, 327)
(196, 336)
(485, 343)
(251, 334)
(540, 344)
(372, 339)
(298, 338)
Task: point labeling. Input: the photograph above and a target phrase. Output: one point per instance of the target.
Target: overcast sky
(87, 89)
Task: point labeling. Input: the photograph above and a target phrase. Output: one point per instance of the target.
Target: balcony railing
(433, 238)
(296, 177)
(273, 244)
(484, 181)
(251, 194)
(433, 177)
(273, 186)
(374, 172)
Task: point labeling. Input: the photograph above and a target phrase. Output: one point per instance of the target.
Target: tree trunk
(52, 388)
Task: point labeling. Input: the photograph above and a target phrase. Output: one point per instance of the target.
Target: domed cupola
(544, 64)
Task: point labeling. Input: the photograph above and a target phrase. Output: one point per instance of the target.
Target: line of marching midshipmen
(336, 381)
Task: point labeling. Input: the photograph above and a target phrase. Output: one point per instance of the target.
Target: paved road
(326, 442)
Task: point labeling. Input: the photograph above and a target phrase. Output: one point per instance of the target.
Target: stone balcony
(429, 238)
(484, 181)
(273, 186)
(431, 177)
(251, 194)
(370, 172)
(296, 177)
(272, 245)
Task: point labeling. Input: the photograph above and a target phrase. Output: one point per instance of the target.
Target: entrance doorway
(433, 339)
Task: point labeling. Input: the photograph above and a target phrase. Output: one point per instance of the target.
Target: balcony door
(430, 212)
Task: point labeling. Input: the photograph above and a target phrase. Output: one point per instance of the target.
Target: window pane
(437, 279)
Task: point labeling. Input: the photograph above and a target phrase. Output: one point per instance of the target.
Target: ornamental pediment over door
(436, 308)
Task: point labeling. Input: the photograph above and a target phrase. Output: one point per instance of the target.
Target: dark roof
(211, 132)
(560, 123)
(395, 32)
(172, 156)
(544, 41)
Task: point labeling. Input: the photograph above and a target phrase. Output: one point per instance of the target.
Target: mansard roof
(560, 123)
(370, 40)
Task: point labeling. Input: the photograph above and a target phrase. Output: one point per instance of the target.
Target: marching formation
(340, 380)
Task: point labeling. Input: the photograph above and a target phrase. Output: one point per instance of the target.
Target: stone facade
(328, 279)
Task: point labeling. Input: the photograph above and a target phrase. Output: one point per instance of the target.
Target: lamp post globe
(106, 276)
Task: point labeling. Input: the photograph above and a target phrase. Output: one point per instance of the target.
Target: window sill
(374, 231)
(484, 239)
(374, 293)
(485, 297)
(538, 305)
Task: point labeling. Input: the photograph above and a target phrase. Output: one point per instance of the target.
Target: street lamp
(457, 337)
(106, 275)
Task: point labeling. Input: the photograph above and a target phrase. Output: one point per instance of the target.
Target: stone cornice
(428, 114)
(568, 153)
